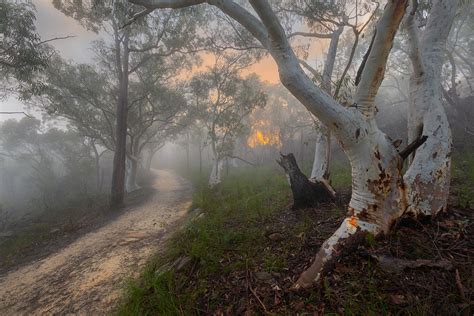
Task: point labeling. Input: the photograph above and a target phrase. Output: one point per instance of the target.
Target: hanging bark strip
(305, 193)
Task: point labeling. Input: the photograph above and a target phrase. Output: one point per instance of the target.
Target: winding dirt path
(88, 276)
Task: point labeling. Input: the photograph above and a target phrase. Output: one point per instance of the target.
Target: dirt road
(88, 276)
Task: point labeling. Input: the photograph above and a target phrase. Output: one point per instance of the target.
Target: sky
(52, 23)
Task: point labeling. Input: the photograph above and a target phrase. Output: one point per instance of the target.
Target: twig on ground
(258, 299)
(460, 286)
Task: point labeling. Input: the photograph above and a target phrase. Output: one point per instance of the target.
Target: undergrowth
(231, 220)
(244, 252)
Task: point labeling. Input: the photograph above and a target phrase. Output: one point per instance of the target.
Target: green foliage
(229, 223)
(222, 99)
(22, 55)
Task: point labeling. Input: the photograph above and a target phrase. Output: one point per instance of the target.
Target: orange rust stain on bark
(353, 221)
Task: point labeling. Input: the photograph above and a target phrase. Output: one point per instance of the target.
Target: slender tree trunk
(216, 173)
(187, 153)
(149, 159)
(134, 166)
(302, 146)
(200, 159)
(118, 172)
(322, 150)
(132, 175)
(97, 166)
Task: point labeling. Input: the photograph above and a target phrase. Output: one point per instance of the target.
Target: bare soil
(88, 275)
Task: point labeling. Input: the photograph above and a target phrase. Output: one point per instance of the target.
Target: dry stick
(460, 286)
(241, 159)
(24, 113)
(413, 146)
(258, 299)
(55, 39)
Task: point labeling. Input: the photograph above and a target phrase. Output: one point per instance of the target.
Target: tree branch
(373, 72)
(306, 34)
(405, 153)
(24, 113)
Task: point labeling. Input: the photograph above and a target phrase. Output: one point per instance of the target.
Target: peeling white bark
(428, 177)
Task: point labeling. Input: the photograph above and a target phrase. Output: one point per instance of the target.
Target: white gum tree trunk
(215, 177)
(428, 177)
(216, 173)
(378, 192)
(322, 153)
(322, 150)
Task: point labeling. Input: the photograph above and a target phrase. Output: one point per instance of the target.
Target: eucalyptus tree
(380, 191)
(22, 53)
(327, 21)
(131, 47)
(153, 119)
(222, 98)
(85, 98)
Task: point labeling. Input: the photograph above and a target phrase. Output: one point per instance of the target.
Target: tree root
(346, 239)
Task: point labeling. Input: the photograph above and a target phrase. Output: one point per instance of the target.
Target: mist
(236, 157)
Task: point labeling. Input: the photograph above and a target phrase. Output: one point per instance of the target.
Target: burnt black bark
(305, 192)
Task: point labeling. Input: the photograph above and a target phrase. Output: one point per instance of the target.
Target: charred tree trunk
(305, 192)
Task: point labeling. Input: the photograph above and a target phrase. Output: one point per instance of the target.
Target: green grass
(232, 229)
(232, 214)
(463, 179)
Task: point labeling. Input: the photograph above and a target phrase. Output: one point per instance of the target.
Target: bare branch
(24, 113)
(137, 16)
(306, 34)
(55, 39)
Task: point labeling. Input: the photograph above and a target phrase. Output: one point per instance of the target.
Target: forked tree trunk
(428, 177)
(305, 193)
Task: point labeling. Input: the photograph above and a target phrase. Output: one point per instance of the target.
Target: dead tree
(306, 193)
